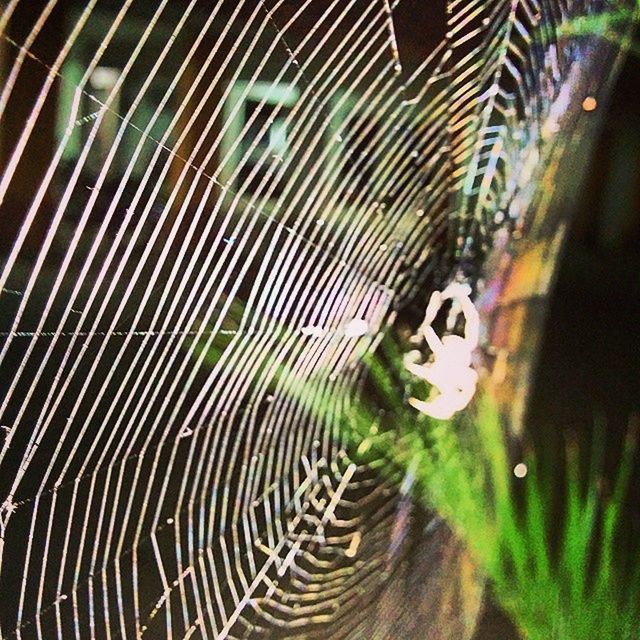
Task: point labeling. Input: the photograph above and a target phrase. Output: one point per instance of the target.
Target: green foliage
(585, 589)
(615, 26)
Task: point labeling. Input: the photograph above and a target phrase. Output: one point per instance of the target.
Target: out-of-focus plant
(616, 26)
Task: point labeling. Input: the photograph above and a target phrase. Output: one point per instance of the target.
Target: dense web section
(199, 198)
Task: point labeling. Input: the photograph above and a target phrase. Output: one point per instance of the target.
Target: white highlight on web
(313, 332)
(356, 328)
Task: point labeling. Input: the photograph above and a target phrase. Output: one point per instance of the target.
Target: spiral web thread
(158, 476)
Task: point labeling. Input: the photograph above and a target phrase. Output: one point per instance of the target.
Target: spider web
(229, 186)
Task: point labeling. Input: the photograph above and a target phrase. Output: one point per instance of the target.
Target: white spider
(450, 372)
